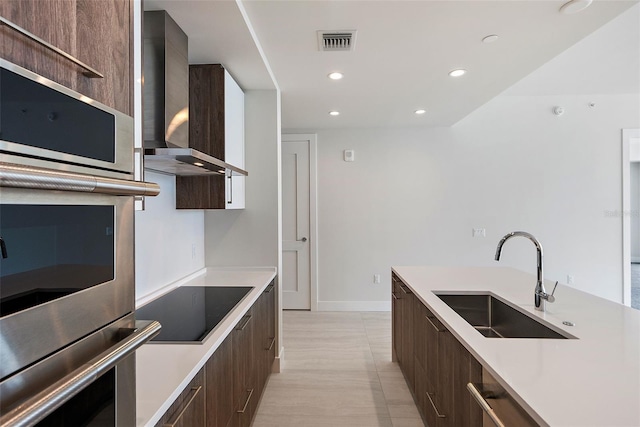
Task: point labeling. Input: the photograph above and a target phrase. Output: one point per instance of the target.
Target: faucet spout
(540, 296)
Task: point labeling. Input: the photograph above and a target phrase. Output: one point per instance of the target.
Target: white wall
(169, 242)
(413, 196)
(249, 237)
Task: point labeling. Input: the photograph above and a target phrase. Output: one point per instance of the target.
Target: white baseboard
(277, 363)
(354, 305)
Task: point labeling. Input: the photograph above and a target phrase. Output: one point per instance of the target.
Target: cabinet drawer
(500, 409)
(188, 409)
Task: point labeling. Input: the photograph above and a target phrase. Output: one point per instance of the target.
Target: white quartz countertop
(593, 380)
(164, 370)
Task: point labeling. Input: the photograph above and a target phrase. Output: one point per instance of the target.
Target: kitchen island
(591, 380)
(164, 370)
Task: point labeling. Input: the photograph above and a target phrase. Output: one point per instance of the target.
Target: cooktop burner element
(190, 313)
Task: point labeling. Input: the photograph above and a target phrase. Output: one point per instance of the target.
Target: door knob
(304, 239)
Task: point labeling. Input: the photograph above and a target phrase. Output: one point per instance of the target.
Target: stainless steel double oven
(67, 330)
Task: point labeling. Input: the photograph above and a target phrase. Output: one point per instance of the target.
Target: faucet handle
(550, 297)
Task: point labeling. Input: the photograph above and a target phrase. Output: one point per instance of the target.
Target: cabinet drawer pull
(405, 289)
(89, 72)
(230, 201)
(273, 341)
(194, 392)
(438, 414)
(246, 403)
(433, 324)
(244, 325)
(484, 405)
(394, 295)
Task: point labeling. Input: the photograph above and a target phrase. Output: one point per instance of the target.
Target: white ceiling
(218, 34)
(403, 53)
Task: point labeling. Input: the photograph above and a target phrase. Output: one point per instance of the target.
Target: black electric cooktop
(190, 313)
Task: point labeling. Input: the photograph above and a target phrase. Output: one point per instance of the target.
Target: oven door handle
(42, 404)
(18, 176)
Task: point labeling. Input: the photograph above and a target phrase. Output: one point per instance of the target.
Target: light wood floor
(337, 372)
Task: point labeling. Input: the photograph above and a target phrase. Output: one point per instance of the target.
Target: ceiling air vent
(334, 41)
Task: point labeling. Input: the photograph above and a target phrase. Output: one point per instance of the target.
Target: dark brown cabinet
(396, 319)
(403, 336)
(98, 33)
(216, 128)
(206, 109)
(504, 406)
(234, 377)
(265, 349)
(440, 366)
(188, 410)
(408, 301)
(244, 375)
(219, 368)
(253, 348)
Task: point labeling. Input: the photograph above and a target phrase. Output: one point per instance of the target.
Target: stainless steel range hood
(186, 161)
(166, 103)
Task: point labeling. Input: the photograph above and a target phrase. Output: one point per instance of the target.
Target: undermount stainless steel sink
(494, 318)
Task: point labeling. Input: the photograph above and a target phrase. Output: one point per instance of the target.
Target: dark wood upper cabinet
(207, 109)
(104, 41)
(98, 33)
(216, 128)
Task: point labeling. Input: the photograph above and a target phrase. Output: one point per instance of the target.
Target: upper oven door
(66, 269)
(43, 121)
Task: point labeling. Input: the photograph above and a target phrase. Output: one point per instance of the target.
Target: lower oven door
(90, 383)
(66, 270)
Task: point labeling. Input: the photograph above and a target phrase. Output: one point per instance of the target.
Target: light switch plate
(479, 232)
(349, 155)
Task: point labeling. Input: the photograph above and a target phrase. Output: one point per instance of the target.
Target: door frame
(630, 153)
(312, 140)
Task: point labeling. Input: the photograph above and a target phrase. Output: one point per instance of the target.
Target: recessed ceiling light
(198, 164)
(575, 6)
(336, 76)
(457, 73)
(334, 113)
(420, 111)
(490, 39)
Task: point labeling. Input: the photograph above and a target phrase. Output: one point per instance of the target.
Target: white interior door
(296, 236)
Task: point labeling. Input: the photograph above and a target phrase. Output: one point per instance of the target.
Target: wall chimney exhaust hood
(166, 103)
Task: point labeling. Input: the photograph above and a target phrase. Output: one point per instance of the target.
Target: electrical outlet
(569, 279)
(479, 232)
(376, 278)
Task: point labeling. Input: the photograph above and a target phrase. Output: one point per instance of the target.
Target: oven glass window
(33, 114)
(92, 407)
(49, 251)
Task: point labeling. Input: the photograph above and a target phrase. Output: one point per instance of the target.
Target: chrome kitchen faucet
(540, 295)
